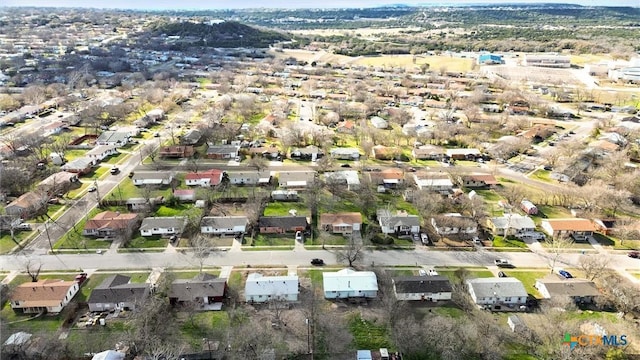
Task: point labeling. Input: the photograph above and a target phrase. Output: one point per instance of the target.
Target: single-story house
(463, 154)
(142, 204)
(390, 178)
(224, 225)
(185, 195)
(167, 225)
(109, 355)
(428, 152)
(205, 291)
(581, 291)
(27, 204)
(176, 151)
(381, 152)
(341, 223)
(425, 288)
(478, 181)
(498, 294)
(81, 165)
(101, 152)
(310, 152)
(260, 289)
(222, 151)
(379, 123)
(440, 183)
(579, 229)
(249, 177)
(511, 224)
(116, 292)
(345, 153)
(296, 179)
(282, 224)
(59, 182)
(350, 178)
(116, 138)
(152, 178)
(192, 137)
(206, 178)
(54, 128)
(454, 223)
(284, 195)
(50, 295)
(348, 283)
(109, 224)
(400, 223)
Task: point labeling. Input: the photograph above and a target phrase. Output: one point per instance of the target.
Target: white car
(432, 272)
(299, 236)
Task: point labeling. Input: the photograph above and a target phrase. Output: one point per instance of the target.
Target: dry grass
(435, 62)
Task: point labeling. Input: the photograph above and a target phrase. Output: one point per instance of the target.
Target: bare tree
(556, 245)
(201, 247)
(352, 252)
(33, 270)
(594, 266)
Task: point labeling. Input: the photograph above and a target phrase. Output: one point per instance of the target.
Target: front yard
(286, 239)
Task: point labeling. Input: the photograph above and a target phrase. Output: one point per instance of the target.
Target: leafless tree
(32, 269)
(352, 252)
(201, 247)
(594, 266)
(556, 245)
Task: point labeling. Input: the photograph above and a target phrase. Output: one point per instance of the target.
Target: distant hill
(228, 34)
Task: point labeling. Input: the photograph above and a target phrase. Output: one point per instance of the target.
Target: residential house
(310, 152)
(498, 294)
(424, 288)
(454, 224)
(284, 195)
(579, 229)
(478, 181)
(345, 153)
(435, 182)
(27, 205)
(581, 291)
(463, 154)
(429, 152)
(167, 225)
(152, 178)
(176, 151)
(115, 138)
(50, 295)
(379, 123)
(224, 225)
(390, 178)
(528, 207)
(54, 128)
(346, 127)
(59, 182)
(400, 223)
(381, 152)
(101, 152)
(79, 166)
(296, 179)
(282, 224)
(341, 223)
(249, 177)
(511, 224)
(143, 204)
(116, 292)
(185, 195)
(349, 178)
(192, 137)
(205, 178)
(260, 289)
(222, 152)
(109, 224)
(349, 283)
(204, 291)
(109, 355)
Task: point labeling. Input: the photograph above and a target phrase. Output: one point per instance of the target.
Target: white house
(350, 178)
(168, 225)
(117, 138)
(498, 294)
(433, 182)
(379, 123)
(425, 288)
(260, 289)
(206, 178)
(152, 178)
(345, 153)
(50, 295)
(224, 225)
(250, 177)
(399, 223)
(101, 152)
(454, 223)
(511, 224)
(348, 283)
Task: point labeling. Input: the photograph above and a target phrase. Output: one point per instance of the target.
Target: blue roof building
(490, 59)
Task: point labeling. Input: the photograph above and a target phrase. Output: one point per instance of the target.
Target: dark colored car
(317, 262)
(634, 254)
(565, 274)
(415, 237)
(345, 165)
(502, 274)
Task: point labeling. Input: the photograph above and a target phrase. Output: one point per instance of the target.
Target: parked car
(80, 278)
(502, 274)
(131, 174)
(503, 263)
(299, 236)
(634, 254)
(173, 238)
(114, 170)
(415, 237)
(24, 226)
(317, 262)
(565, 274)
(432, 272)
(92, 189)
(424, 238)
(476, 241)
(345, 165)
(422, 272)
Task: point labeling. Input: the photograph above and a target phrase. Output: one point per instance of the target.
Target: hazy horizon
(228, 4)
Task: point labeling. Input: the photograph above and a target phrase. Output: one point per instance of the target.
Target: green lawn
(52, 209)
(449, 311)
(7, 244)
(396, 203)
(200, 325)
(126, 190)
(73, 154)
(542, 175)
(342, 205)
(282, 209)
(510, 241)
(97, 172)
(479, 272)
(79, 191)
(177, 210)
(368, 334)
(552, 212)
(46, 323)
(236, 280)
(87, 340)
(115, 159)
(191, 274)
(326, 238)
(489, 195)
(144, 242)
(74, 240)
(273, 240)
(528, 279)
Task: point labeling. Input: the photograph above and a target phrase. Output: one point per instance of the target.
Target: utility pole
(95, 183)
(309, 347)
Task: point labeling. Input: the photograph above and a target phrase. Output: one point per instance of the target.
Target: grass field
(282, 209)
(479, 272)
(436, 63)
(528, 279)
(273, 240)
(7, 244)
(499, 241)
(368, 335)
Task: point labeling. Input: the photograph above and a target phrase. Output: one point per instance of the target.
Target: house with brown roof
(581, 291)
(59, 182)
(341, 223)
(381, 152)
(429, 152)
(109, 224)
(390, 178)
(478, 181)
(50, 295)
(579, 229)
(176, 151)
(27, 205)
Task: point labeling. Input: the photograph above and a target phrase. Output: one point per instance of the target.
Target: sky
(234, 4)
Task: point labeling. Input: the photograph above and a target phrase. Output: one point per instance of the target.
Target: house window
(507, 299)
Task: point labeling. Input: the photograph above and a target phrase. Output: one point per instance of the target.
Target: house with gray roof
(345, 153)
(205, 291)
(117, 293)
(81, 165)
(152, 178)
(249, 177)
(400, 223)
(511, 224)
(163, 226)
(224, 225)
(498, 294)
(116, 138)
(222, 152)
(349, 178)
(424, 288)
(296, 179)
(581, 291)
